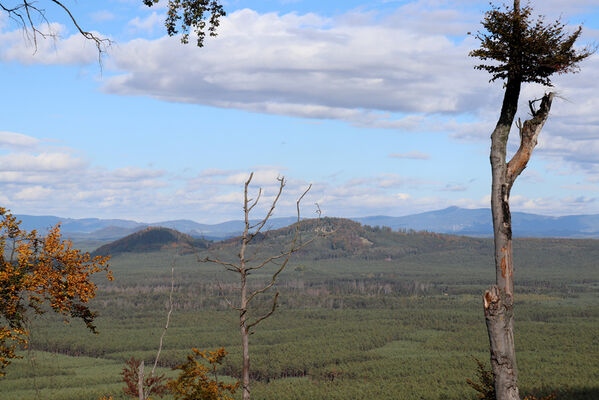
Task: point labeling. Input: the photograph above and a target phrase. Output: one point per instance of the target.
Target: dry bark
(499, 299)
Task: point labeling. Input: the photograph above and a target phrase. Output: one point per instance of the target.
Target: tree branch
(261, 224)
(529, 133)
(256, 201)
(268, 314)
(227, 299)
(286, 254)
(229, 266)
(168, 319)
(24, 12)
(100, 43)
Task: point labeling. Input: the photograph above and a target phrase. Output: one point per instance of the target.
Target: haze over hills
(454, 220)
(477, 222)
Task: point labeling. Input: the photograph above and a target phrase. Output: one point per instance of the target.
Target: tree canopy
(514, 45)
(37, 273)
(196, 15)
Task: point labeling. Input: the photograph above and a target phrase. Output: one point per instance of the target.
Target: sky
(376, 104)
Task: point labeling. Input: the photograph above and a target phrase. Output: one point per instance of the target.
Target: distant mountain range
(454, 220)
(477, 222)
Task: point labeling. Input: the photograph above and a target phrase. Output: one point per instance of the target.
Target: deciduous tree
(199, 382)
(40, 272)
(516, 49)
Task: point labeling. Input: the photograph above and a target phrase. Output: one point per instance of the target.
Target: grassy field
(346, 328)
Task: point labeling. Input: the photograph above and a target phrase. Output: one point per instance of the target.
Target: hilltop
(342, 238)
(152, 239)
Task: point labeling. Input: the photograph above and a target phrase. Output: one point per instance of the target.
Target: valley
(363, 312)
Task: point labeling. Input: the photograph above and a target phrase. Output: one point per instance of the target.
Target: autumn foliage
(196, 382)
(37, 273)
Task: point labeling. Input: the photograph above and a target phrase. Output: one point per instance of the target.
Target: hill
(344, 238)
(152, 239)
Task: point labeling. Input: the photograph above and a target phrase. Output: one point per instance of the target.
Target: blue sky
(373, 102)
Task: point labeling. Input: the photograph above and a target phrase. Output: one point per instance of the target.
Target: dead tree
(246, 265)
(522, 50)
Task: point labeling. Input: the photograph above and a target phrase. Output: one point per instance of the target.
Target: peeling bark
(499, 300)
(500, 326)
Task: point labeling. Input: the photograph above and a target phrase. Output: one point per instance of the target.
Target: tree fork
(499, 300)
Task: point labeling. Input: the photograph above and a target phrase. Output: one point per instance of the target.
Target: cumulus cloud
(417, 78)
(307, 66)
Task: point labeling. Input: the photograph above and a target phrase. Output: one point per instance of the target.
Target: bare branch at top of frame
(25, 12)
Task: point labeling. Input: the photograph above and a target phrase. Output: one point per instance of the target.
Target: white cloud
(307, 66)
(33, 193)
(34, 176)
(16, 140)
(39, 162)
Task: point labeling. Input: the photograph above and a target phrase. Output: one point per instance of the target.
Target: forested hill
(339, 238)
(335, 238)
(153, 239)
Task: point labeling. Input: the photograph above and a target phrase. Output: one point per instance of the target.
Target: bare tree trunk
(246, 361)
(499, 299)
(245, 344)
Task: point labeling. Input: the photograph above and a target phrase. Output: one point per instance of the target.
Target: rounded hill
(152, 239)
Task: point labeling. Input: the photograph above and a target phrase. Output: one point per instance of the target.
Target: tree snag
(246, 265)
(523, 51)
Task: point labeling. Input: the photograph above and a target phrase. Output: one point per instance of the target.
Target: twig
(168, 319)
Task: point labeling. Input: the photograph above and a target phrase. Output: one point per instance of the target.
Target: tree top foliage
(524, 48)
(186, 15)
